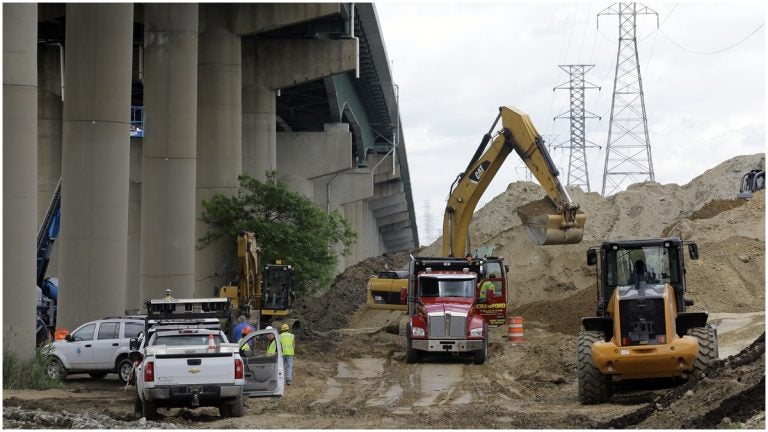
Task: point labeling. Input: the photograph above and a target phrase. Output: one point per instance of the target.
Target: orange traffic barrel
(60, 334)
(515, 329)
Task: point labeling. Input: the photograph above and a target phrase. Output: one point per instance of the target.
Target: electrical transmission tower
(428, 222)
(578, 172)
(628, 152)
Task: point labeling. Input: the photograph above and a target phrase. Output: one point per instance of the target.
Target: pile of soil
(334, 308)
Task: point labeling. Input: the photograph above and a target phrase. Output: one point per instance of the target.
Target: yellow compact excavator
(551, 221)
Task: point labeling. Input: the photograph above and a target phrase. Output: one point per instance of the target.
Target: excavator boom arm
(518, 134)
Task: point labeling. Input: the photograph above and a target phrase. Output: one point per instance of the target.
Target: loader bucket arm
(553, 221)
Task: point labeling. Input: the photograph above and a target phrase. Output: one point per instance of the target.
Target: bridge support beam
(19, 177)
(95, 161)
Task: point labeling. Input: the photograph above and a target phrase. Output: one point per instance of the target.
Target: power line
(716, 51)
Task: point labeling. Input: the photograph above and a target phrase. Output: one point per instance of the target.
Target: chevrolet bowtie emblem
(194, 370)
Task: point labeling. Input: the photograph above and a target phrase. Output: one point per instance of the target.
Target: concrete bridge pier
(259, 118)
(19, 177)
(169, 153)
(49, 111)
(95, 162)
(219, 143)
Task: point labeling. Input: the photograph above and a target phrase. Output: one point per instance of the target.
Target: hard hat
(168, 291)
(246, 330)
(284, 327)
(269, 328)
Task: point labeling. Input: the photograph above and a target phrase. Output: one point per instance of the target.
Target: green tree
(287, 226)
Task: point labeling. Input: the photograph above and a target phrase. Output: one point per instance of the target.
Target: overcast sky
(456, 63)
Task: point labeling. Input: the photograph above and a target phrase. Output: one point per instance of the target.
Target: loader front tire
(594, 386)
(708, 348)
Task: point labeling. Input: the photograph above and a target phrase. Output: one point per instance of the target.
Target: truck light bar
(214, 307)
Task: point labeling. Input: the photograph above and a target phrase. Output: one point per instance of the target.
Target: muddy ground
(350, 370)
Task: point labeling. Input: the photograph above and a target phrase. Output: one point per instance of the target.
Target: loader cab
(640, 265)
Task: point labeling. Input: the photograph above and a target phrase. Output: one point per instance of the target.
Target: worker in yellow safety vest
(287, 342)
(272, 346)
(484, 288)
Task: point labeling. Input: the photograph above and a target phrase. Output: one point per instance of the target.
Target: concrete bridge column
(259, 119)
(169, 150)
(219, 146)
(359, 215)
(95, 162)
(49, 107)
(19, 177)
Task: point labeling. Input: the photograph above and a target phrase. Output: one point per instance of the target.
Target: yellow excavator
(263, 295)
(556, 220)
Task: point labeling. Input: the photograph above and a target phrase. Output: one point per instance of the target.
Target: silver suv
(96, 348)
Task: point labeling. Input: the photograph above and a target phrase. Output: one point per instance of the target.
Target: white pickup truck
(184, 362)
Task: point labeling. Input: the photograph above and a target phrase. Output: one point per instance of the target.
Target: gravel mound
(22, 418)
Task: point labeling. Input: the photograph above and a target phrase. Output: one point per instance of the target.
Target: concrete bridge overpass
(301, 89)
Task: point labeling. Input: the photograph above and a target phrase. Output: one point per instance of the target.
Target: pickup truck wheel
(225, 410)
(149, 410)
(97, 375)
(124, 370)
(137, 407)
(237, 407)
(55, 370)
(411, 355)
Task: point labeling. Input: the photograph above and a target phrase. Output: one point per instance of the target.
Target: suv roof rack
(137, 317)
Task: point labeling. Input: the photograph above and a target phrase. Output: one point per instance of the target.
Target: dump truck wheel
(411, 355)
(480, 356)
(708, 349)
(594, 387)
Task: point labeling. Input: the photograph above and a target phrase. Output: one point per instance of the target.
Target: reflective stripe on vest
(286, 340)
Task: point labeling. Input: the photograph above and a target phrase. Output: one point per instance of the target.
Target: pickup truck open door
(264, 367)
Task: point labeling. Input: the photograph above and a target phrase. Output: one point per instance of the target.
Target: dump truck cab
(442, 313)
(642, 328)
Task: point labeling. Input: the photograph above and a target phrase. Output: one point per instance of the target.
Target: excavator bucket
(546, 226)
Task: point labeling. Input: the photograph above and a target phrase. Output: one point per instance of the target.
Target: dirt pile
(333, 309)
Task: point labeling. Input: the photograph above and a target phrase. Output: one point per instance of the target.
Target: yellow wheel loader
(642, 328)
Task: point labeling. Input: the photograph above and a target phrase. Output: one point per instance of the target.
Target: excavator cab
(751, 182)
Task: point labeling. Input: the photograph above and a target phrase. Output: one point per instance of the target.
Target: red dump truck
(445, 313)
